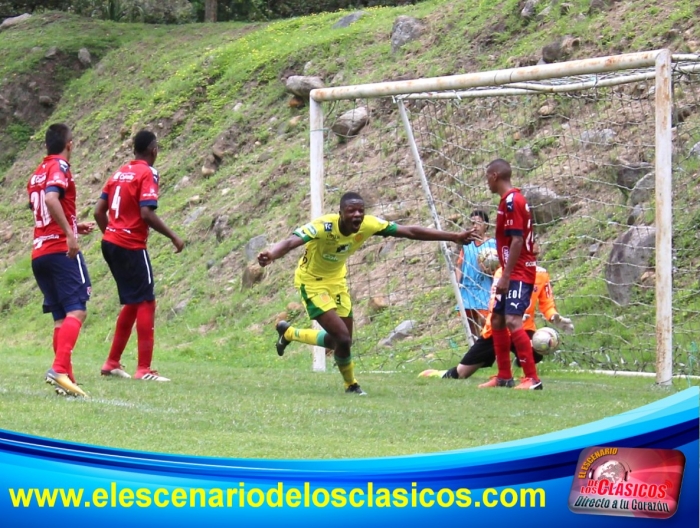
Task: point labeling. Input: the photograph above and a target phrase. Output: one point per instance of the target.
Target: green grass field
(278, 408)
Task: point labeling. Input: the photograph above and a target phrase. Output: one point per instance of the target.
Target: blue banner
(531, 480)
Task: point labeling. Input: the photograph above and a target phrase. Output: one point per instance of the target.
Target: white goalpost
(604, 149)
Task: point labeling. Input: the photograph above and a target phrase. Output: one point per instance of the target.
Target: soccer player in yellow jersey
(320, 275)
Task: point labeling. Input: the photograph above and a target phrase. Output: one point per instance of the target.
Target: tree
(210, 9)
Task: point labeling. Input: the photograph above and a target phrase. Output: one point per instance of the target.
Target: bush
(150, 11)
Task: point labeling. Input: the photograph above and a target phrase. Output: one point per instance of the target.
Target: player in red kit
(124, 213)
(57, 263)
(515, 245)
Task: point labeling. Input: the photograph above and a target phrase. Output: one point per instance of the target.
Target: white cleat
(118, 372)
(150, 375)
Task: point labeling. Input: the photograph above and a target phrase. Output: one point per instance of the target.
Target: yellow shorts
(323, 297)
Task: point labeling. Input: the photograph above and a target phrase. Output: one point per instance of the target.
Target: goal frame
(512, 79)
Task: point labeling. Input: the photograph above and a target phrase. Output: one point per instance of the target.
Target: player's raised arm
(415, 232)
(279, 250)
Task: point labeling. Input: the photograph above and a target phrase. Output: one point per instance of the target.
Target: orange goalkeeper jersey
(541, 295)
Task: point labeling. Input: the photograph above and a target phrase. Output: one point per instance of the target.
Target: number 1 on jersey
(116, 201)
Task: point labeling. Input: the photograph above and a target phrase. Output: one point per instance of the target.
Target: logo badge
(627, 482)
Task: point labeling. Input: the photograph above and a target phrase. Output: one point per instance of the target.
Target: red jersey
(513, 220)
(53, 175)
(133, 186)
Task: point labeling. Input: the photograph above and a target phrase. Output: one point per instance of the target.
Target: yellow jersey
(327, 249)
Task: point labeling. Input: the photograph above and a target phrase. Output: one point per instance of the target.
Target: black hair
(501, 167)
(481, 214)
(142, 141)
(348, 197)
(57, 137)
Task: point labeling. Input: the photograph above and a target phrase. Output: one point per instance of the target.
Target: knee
(465, 371)
(513, 323)
(342, 340)
(80, 315)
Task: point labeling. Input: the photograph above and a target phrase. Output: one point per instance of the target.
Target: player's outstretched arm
(100, 214)
(279, 250)
(154, 222)
(415, 232)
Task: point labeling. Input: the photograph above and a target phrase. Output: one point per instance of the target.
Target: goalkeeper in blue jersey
(320, 275)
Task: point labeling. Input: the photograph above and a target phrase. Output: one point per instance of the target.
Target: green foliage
(149, 11)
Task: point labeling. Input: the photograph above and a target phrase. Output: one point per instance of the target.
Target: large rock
(351, 122)
(254, 246)
(597, 5)
(643, 190)
(378, 304)
(221, 227)
(560, 49)
(302, 85)
(593, 138)
(628, 174)
(406, 29)
(252, 274)
(629, 258)
(13, 21)
(402, 331)
(530, 9)
(636, 215)
(546, 206)
(84, 57)
(348, 19)
(195, 214)
(525, 159)
(695, 150)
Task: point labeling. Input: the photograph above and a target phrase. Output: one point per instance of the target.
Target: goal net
(607, 153)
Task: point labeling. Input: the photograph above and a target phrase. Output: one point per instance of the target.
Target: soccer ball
(488, 260)
(545, 340)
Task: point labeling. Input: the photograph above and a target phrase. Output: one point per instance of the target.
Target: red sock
(56, 329)
(501, 347)
(523, 347)
(67, 337)
(122, 332)
(145, 323)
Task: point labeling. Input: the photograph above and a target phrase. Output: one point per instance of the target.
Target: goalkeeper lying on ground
(482, 354)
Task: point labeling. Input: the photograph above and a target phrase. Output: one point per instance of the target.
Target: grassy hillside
(203, 85)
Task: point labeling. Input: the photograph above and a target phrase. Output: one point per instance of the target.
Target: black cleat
(282, 342)
(355, 389)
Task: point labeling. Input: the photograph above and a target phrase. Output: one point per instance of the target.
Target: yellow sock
(305, 335)
(348, 373)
